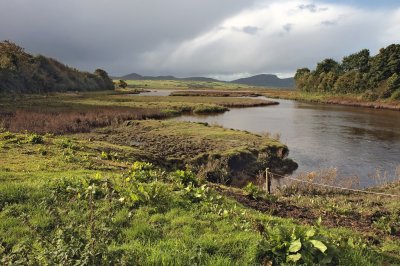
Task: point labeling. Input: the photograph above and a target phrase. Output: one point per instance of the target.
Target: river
(356, 141)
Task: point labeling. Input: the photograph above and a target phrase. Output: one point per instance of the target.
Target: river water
(356, 141)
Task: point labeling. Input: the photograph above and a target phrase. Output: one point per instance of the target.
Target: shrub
(370, 96)
(122, 84)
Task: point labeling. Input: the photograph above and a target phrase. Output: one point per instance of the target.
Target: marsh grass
(275, 136)
(380, 177)
(328, 177)
(57, 122)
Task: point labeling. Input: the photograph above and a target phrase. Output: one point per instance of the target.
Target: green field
(351, 99)
(186, 85)
(113, 183)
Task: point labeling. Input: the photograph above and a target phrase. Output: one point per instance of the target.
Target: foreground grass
(82, 199)
(64, 201)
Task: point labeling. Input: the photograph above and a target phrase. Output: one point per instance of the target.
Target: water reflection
(356, 141)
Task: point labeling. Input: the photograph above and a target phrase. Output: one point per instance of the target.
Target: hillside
(266, 80)
(21, 72)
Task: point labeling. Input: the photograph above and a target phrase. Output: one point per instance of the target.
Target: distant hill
(266, 80)
(21, 72)
(135, 76)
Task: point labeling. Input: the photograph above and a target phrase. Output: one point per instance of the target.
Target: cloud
(111, 34)
(312, 8)
(221, 51)
(227, 38)
(250, 30)
(309, 7)
(288, 27)
(329, 22)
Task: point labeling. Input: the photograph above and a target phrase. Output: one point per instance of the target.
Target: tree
(101, 73)
(328, 65)
(390, 86)
(358, 61)
(349, 82)
(301, 78)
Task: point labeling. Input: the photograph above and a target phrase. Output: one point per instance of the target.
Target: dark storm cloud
(110, 34)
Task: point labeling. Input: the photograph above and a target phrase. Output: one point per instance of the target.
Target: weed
(252, 191)
(35, 139)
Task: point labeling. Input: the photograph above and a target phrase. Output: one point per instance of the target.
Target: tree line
(359, 73)
(21, 72)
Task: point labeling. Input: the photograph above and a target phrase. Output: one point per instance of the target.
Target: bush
(122, 84)
(370, 96)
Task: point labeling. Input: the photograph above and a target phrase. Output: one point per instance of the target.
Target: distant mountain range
(135, 76)
(263, 80)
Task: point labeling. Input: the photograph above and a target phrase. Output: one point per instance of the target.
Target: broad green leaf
(295, 246)
(294, 258)
(310, 233)
(319, 245)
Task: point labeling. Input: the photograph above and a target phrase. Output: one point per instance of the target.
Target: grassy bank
(66, 200)
(101, 116)
(215, 93)
(327, 98)
(216, 154)
(191, 88)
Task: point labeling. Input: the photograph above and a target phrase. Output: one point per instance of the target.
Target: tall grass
(72, 121)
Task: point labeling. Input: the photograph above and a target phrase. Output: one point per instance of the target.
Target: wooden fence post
(267, 181)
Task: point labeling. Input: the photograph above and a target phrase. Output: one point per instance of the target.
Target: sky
(224, 39)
